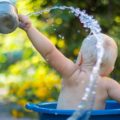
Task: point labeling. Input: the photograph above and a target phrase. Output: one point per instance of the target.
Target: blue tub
(48, 111)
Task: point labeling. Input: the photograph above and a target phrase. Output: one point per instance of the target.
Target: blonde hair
(89, 51)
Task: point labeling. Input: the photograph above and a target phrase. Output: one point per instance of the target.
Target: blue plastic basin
(48, 111)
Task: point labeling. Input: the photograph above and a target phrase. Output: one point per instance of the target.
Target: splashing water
(86, 104)
(60, 36)
(87, 20)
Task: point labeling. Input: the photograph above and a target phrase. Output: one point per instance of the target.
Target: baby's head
(88, 53)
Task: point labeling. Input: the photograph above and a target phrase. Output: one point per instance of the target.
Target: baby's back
(73, 91)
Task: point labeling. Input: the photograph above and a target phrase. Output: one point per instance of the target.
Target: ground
(4, 109)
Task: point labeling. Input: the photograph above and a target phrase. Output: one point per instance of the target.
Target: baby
(76, 75)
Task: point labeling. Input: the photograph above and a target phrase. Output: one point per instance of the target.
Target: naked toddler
(75, 76)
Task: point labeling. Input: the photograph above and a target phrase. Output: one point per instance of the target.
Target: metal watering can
(8, 17)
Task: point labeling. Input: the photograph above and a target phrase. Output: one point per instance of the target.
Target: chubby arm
(51, 54)
(114, 90)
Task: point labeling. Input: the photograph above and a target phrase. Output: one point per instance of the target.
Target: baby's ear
(79, 59)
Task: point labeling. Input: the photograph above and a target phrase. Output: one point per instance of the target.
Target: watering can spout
(8, 17)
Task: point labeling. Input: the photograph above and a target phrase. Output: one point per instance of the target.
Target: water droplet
(56, 113)
(60, 36)
(63, 37)
(78, 31)
(87, 89)
(84, 98)
(93, 92)
(86, 30)
(80, 106)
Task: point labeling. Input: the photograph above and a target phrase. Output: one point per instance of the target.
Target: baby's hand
(25, 23)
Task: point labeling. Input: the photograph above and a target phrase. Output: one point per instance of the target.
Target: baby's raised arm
(52, 55)
(114, 90)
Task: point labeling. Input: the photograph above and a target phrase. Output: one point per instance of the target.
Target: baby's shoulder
(106, 81)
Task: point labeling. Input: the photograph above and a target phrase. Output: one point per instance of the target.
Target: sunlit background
(24, 74)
